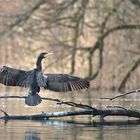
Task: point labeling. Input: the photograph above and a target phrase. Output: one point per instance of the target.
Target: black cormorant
(35, 78)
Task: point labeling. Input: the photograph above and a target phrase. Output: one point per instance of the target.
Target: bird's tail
(33, 99)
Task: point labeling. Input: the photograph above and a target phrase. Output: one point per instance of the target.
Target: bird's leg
(38, 89)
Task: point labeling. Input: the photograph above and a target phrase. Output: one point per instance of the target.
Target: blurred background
(95, 39)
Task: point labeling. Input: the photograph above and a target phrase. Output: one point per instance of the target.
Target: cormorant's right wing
(14, 77)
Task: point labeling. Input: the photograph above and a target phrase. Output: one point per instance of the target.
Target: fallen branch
(89, 110)
(47, 115)
(122, 95)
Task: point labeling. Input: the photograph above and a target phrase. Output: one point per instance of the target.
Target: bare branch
(89, 110)
(24, 16)
(122, 95)
(133, 66)
(60, 102)
(121, 27)
(135, 2)
(78, 17)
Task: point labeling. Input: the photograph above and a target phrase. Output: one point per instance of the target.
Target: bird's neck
(38, 63)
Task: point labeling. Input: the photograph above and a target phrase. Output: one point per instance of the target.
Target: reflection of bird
(34, 79)
(32, 135)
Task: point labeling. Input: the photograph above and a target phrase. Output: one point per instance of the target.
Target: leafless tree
(101, 38)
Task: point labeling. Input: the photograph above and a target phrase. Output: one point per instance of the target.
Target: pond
(69, 128)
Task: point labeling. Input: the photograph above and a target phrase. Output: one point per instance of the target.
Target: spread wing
(65, 82)
(15, 77)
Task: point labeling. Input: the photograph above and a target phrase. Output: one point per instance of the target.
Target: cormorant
(35, 78)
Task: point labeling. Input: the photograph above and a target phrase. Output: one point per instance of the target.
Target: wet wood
(85, 109)
(48, 115)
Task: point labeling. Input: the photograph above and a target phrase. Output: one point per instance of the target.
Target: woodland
(94, 39)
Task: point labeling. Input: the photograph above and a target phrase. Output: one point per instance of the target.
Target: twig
(4, 112)
(60, 102)
(79, 105)
(122, 95)
(24, 97)
(120, 107)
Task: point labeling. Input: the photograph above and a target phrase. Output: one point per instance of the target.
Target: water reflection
(69, 130)
(32, 135)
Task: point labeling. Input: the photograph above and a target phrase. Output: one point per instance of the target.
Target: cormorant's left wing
(65, 82)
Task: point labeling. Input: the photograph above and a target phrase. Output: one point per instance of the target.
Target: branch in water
(89, 110)
(47, 115)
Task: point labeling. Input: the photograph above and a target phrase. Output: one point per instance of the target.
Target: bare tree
(93, 36)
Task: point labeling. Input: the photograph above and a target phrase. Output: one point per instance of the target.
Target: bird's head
(42, 55)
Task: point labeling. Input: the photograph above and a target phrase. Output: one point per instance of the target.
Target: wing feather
(65, 82)
(15, 77)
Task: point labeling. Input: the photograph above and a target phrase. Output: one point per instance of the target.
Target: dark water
(69, 128)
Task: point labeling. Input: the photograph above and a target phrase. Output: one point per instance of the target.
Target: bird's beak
(48, 54)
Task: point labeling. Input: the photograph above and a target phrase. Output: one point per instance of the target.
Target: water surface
(69, 128)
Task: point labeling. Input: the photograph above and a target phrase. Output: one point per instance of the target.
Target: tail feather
(33, 99)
